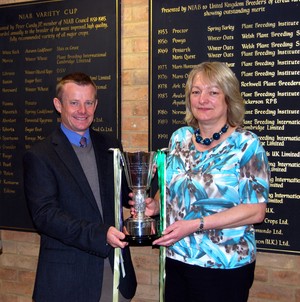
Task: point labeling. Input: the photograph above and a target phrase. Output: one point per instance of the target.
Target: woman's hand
(177, 231)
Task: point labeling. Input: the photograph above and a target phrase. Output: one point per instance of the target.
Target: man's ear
(57, 104)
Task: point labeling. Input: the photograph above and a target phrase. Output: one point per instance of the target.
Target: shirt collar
(74, 137)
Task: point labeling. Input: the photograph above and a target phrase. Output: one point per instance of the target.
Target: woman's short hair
(221, 75)
(78, 78)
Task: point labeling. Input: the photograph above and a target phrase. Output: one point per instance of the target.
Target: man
(69, 186)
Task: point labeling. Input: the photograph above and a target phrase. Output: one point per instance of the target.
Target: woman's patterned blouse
(234, 172)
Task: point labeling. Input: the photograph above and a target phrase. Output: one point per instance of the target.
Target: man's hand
(152, 206)
(114, 238)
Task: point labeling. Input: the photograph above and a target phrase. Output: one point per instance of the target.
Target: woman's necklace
(207, 141)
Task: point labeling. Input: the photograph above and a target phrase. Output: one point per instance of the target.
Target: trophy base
(140, 231)
(144, 240)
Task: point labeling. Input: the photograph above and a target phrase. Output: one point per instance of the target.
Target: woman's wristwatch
(200, 229)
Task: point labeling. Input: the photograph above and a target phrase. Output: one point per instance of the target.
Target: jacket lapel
(100, 160)
(65, 152)
(103, 156)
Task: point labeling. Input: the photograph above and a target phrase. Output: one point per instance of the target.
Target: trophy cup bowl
(139, 229)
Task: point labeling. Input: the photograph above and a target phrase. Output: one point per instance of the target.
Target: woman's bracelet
(200, 229)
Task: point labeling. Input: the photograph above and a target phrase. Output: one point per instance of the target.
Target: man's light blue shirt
(74, 137)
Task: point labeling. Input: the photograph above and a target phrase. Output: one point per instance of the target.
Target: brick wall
(277, 276)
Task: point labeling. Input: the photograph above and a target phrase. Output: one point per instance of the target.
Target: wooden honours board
(40, 42)
(260, 41)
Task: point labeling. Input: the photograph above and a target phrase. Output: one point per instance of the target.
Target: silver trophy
(139, 229)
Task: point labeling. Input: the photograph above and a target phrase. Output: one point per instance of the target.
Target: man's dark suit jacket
(73, 236)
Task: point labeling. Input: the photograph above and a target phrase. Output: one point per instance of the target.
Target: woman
(217, 187)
